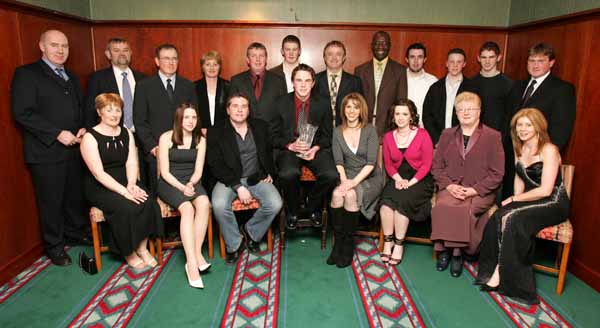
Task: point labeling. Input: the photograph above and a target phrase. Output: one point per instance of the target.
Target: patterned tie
(333, 94)
(378, 77)
(257, 87)
(61, 73)
(128, 100)
(528, 92)
(301, 117)
(170, 91)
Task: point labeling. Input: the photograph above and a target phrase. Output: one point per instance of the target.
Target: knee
(337, 196)
(289, 174)
(201, 203)
(351, 196)
(220, 202)
(272, 202)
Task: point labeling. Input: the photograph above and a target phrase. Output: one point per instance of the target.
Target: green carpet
(312, 294)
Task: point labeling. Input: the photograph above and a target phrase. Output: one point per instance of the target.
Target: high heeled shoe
(204, 267)
(193, 283)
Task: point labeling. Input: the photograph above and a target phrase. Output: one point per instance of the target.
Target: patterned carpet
(386, 299)
(254, 294)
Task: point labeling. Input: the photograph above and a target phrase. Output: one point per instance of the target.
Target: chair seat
(562, 233)
(237, 205)
(166, 211)
(307, 175)
(96, 215)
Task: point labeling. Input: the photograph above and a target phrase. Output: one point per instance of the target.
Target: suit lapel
(540, 92)
(473, 140)
(49, 72)
(370, 82)
(388, 75)
(342, 89)
(459, 141)
(249, 87)
(233, 146)
(112, 80)
(324, 86)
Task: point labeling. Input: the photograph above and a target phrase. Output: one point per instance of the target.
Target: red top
(419, 154)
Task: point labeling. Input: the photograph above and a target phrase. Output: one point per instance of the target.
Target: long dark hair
(177, 136)
(412, 109)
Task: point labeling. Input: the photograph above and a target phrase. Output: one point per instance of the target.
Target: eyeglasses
(467, 110)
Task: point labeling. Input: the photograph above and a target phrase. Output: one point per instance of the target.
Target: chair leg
(210, 236)
(270, 239)
(381, 240)
(282, 229)
(96, 239)
(324, 229)
(159, 250)
(221, 245)
(562, 273)
(151, 247)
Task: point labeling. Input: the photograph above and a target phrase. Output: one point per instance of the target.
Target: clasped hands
(135, 194)
(67, 138)
(460, 192)
(303, 149)
(345, 186)
(244, 194)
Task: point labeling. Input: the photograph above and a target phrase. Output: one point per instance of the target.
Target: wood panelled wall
(575, 43)
(20, 26)
(20, 29)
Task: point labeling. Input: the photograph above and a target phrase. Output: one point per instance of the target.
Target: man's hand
(298, 146)
(244, 195)
(268, 179)
(311, 153)
(67, 138)
(80, 134)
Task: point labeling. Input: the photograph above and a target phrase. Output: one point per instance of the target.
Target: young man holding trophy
(302, 128)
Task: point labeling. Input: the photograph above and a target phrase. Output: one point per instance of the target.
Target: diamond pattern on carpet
(524, 315)
(386, 299)
(254, 294)
(120, 296)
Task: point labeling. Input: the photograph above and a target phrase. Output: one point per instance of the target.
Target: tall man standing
(333, 84)
(292, 111)
(257, 84)
(291, 51)
(493, 87)
(383, 80)
(47, 102)
(417, 79)
(154, 104)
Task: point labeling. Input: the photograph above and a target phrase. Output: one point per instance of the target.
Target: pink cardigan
(419, 154)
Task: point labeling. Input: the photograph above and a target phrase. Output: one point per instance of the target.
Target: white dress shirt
(417, 89)
(451, 90)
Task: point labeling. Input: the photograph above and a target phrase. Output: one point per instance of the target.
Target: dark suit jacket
(102, 81)
(393, 87)
(273, 87)
(283, 125)
(348, 84)
(44, 104)
(223, 154)
(278, 70)
(152, 110)
(556, 99)
(481, 166)
(434, 107)
(220, 101)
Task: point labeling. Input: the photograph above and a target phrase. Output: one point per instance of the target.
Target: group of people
(387, 139)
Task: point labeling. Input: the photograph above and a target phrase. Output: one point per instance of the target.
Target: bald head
(54, 46)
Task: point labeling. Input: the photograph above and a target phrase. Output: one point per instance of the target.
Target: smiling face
(402, 116)
(380, 46)
(488, 59)
(211, 68)
(468, 112)
(455, 64)
(334, 57)
(257, 60)
(416, 60)
(55, 47)
(525, 129)
(189, 120)
(119, 54)
(352, 112)
(167, 61)
(303, 83)
(291, 52)
(110, 115)
(539, 65)
(238, 110)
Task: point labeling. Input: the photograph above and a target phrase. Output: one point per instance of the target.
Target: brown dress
(459, 223)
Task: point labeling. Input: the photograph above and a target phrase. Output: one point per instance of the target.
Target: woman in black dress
(109, 152)
(540, 200)
(181, 159)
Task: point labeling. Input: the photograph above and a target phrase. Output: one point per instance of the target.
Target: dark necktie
(257, 87)
(528, 92)
(128, 101)
(301, 116)
(61, 73)
(170, 90)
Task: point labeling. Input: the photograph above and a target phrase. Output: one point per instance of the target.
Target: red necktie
(257, 87)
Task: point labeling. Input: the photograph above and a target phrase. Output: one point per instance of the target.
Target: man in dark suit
(47, 102)
(241, 158)
(291, 51)
(293, 111)
(545, 91)
(118, 78)
(333, 84)
(259, 85)
(383, 80)
(154, 104)
(438, 107)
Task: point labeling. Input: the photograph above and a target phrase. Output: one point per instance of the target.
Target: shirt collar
(383, 61)
(120, 72)
(164, 78)
(539, 79)
(298, 102)
(52, 66)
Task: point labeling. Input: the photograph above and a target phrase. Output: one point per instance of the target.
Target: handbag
(87, 264)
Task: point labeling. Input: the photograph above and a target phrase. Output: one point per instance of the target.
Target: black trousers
(60, 202)
(289, 178)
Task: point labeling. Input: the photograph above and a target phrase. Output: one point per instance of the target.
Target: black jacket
(220, 101)
(273, 87)
(348, 83)
(223, 155)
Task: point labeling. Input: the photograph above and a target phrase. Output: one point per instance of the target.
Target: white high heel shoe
(204, 267)
(194, 283)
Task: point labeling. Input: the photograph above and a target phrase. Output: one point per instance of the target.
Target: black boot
(350, 222)
(336, 225)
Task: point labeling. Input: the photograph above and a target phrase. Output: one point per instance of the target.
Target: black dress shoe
(316, 218)
(253, 246)
(60, 259)
(81, 241)
(292, 222)
(231, 258)
(442, 261)
(488, 288)
(456, 266)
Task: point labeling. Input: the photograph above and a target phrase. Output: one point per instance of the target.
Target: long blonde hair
(539, 124)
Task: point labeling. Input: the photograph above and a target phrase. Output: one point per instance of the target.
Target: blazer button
(66, 92)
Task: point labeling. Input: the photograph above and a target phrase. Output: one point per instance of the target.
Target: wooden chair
(167, 212)
(96, 221)
(561, 233)
(306, 175)
(238, 206)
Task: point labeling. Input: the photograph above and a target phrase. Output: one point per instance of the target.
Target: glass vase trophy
(306, 134)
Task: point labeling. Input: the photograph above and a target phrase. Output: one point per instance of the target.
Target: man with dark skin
(383, 80)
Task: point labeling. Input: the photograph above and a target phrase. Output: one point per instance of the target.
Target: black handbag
(87, 264)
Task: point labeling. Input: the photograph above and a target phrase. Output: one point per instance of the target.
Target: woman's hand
(135, 194)
(507, 201)
(401, 184)
(189, 189)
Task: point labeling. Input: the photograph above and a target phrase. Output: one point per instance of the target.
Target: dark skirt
(414, 202)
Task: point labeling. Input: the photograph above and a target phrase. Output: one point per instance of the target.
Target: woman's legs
(400, 227)
(202, 206)
(387, 224)
(348, 224)
(337, 203)
(187, 233)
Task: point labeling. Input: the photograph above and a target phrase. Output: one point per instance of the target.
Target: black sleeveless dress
(181, 165)
(129, 222)
(513, 248)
